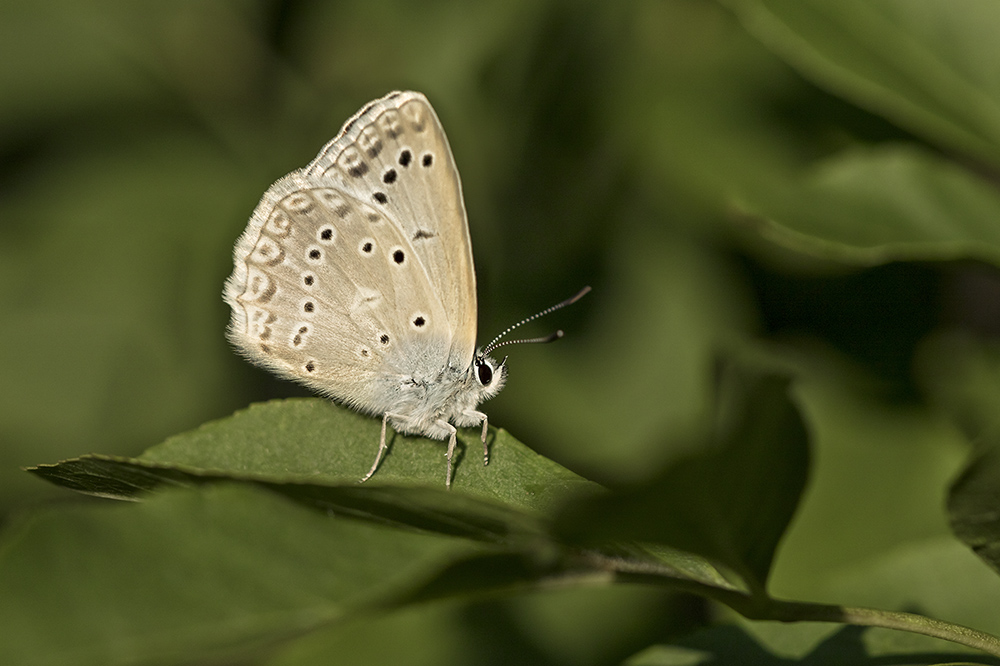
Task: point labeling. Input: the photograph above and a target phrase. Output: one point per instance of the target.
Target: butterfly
(355, 277)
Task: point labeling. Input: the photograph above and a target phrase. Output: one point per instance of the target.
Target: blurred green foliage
(810, 184)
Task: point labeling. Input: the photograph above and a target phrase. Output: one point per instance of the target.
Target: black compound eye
(484, 372)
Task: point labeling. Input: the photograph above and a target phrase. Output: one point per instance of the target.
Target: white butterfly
(354, 276)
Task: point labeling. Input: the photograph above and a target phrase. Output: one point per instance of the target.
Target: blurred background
(599, 143)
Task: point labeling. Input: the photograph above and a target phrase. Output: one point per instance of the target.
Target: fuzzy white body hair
(418, 405)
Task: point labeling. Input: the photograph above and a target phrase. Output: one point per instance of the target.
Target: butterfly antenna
(495, 343)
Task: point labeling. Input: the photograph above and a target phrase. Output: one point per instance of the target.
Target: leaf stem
(795, 611)
(760, 607)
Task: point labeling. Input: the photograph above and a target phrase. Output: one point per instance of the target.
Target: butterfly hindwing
(330, 294)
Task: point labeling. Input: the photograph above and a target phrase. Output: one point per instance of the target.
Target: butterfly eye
(484, 373)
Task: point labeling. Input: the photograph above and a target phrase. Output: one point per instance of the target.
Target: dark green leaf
(188, 574)
(314, 452)
(429, 509)
(962, 590)
(581, 625)
(732, 502)
(300, 447)
(928, 65)
(974, 505)
(892, 203)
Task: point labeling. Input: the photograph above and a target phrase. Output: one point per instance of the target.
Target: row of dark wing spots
(297, 340)
(367, 247)
(316, 254)
(405, 157)
(390, 176)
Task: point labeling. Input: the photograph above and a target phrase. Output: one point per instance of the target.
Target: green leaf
(428, 509)
(973, 503)
(962, 590)
(581, 625)
(960, 373)
(309, 440)
(266, 445)
(191, 574)
(730, 503)
(928, 65)
(805, 643)
(300, 448)
(314, 452)
(883, 469)
(891, 203)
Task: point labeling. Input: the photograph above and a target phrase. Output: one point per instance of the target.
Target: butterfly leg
(451, 449)
(382, 447)
(480, 415)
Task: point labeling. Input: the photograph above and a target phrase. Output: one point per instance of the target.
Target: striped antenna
(495, 343)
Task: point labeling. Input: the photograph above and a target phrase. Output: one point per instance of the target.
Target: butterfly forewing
(394, 156)
(355, 273)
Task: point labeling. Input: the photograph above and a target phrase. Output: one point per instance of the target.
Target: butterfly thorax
(418, 404)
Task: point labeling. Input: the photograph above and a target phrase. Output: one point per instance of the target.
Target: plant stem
(762, 607)
(794, 611)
